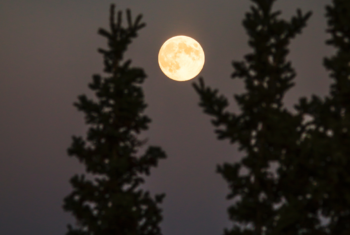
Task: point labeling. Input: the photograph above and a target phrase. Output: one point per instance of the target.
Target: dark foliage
(274, 196)
(110, 200)
(328, 142)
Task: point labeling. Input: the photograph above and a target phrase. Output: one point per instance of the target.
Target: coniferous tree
(266, 203)
(337, 205)
(110, 200)
(328, 141)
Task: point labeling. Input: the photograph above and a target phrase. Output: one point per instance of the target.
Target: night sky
(48, 53)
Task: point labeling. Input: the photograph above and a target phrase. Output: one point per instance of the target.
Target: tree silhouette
(271, 197)
(111, 202)
(328, 142)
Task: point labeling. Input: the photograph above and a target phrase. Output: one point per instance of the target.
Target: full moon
(181, 58)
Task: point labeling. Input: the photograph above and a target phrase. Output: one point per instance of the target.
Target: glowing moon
(181, 58)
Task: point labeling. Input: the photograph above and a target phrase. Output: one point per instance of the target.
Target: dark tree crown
(263, 202)
(112, 202)
(310, 149)
(328, 140)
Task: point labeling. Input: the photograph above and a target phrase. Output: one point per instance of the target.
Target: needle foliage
(107, 199)
(328, 142)
(297, 163)
(270, 197)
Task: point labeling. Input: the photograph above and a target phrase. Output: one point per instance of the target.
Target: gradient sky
(48, 53)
